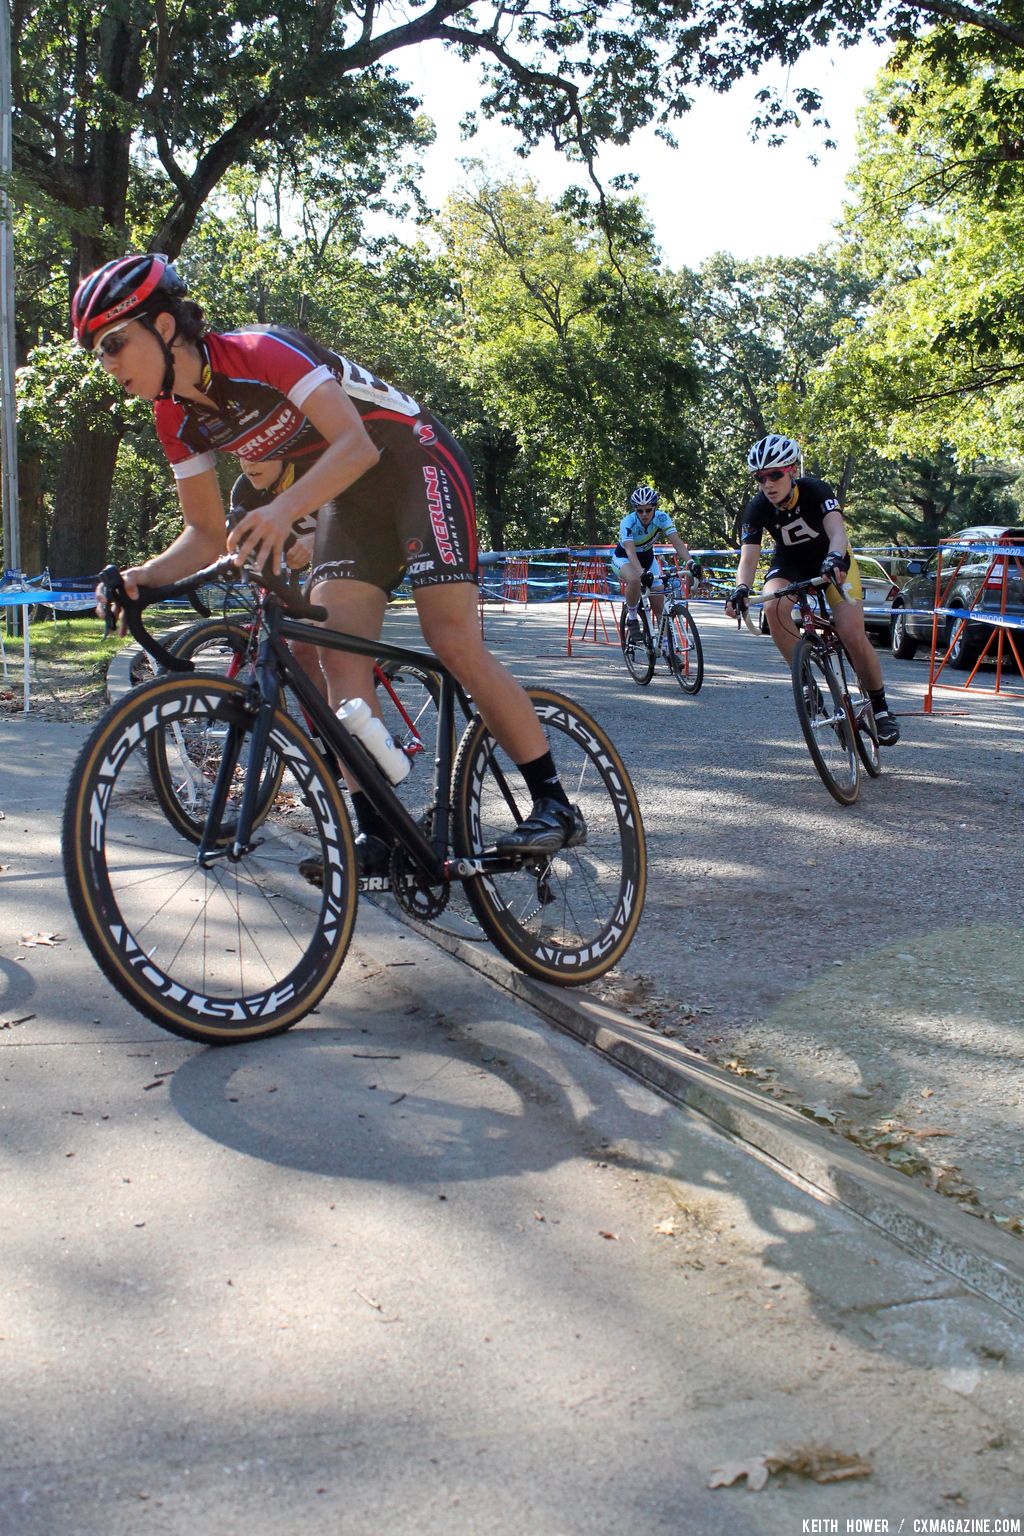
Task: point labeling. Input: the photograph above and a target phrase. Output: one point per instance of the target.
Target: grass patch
(69, 660)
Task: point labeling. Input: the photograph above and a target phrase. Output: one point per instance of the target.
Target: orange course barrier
(591, 598)
(1001, 568)
(515, 581)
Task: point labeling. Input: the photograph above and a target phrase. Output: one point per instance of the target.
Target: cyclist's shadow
(422, 1106)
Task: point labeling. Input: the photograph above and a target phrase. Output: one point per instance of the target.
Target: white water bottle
(357, 716)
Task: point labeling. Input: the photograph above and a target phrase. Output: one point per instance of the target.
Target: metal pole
(12, 533)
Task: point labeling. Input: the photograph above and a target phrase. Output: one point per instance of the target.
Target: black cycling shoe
(373, 860)
(550, 826)
(887, 728)
(633, 630)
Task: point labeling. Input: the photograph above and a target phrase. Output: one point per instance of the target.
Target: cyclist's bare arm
(834, 526)
(350, 452)
(746, 570)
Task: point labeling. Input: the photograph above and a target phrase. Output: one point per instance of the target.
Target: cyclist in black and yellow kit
(803, 518)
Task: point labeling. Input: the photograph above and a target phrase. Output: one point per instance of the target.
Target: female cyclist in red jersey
(391, 490)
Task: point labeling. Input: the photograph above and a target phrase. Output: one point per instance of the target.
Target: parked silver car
(974, 582)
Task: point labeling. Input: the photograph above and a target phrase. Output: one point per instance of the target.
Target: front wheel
(638, 653)
(233, 948)
(821, 710)
(569, 917)
(686, 655)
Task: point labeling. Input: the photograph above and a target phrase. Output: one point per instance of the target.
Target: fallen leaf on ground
(35, 940)
(820, 1112)
(667, 1228)
(755, 1472)
(612, 1237)
(818, 1462)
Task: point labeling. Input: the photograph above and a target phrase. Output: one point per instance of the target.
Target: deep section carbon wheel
(221, 949)
(569, 917)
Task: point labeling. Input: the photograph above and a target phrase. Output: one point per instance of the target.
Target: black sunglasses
(762, 475)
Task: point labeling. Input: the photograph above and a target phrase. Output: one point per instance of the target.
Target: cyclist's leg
(358, 608)
(779, 615)
(848, 618)
(630, 575)
(434, 515)
(451, 627)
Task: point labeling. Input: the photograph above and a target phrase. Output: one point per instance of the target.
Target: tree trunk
(30, 515)
(81, 502)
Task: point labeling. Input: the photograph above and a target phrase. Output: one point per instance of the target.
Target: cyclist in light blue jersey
(641, 529)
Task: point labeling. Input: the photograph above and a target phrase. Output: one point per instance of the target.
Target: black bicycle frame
(275, 667)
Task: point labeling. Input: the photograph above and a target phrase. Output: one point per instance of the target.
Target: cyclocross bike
(211, 926)
(676, 639)
(835, 714)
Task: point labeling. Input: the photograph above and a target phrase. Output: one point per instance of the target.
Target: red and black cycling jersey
(798, 528)
(259, 378)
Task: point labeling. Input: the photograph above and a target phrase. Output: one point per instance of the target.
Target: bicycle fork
(259, 719)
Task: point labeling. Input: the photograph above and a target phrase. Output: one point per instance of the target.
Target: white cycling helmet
(644, 496)
(773, 452)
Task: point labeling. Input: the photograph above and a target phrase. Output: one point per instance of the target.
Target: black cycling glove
(737, 599)
(835, 567)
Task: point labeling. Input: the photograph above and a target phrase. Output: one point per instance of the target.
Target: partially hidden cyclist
(634, 555)
(802, 516)
(391, 490)
(260, 481)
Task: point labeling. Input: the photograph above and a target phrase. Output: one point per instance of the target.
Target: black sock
(542, 779)
(877, 697)
(368, 819)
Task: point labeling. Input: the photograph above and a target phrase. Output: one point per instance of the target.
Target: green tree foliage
(576, 359)
(761, 329)
(935, 228)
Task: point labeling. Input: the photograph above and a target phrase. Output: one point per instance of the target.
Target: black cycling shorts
(412, 515)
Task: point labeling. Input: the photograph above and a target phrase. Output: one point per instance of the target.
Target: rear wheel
(866, 730)
(638, 654)
(901, 642)
(686, 653)
(568, 917)
(830, 737)
(231, 949)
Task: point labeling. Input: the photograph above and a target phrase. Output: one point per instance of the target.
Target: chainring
(409, 890)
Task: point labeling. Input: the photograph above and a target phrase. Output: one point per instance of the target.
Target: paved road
(868, 959)
(424, 1265)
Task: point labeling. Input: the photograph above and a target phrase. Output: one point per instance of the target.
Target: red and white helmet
(119, 290)
(773, 452)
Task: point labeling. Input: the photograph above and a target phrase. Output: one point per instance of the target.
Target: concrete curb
(977, 1254)
(119, 680)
